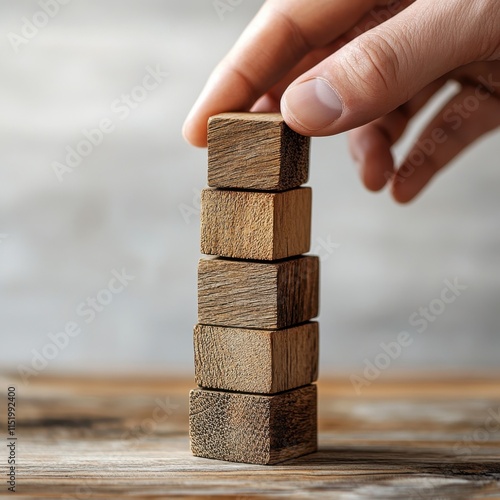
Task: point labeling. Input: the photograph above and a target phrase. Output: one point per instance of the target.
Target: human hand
(368, 65)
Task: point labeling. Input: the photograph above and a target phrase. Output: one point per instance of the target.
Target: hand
(368, 65)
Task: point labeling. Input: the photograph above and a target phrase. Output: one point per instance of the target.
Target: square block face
(265, 295)
(258, 361)
(255, 225)
(253, 428)
(255, 151)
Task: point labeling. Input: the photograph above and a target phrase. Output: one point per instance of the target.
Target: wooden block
(255, 151)
(255, 225)
(258, 361)
(265, 295)
(253, 428)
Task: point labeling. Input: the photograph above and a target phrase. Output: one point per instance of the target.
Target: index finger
(278, 37)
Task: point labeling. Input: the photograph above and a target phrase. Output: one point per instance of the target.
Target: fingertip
(290, 118)
(400, 199)
(311, 106)
(377, 170)
(369, 181)
(401, 192)
(266, 104)
(194, 134)
(371, 150)
(372, 183)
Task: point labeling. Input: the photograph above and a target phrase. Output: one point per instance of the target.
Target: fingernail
(314, 104)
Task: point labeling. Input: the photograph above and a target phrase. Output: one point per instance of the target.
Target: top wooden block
(255, 151)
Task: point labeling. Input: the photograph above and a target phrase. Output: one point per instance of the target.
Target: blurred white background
(131, 205)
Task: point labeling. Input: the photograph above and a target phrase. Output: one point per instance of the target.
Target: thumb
(384, 67)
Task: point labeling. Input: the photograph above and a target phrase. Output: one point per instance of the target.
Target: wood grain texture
(404, 438)
(255, 225)
(260, 295)
(258, 361)
(255, 151)
(253, 428)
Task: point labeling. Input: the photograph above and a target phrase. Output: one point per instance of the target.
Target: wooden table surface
(95, 438)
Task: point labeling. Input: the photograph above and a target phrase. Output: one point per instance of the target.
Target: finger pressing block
(255, 151)
(253, 428)
(259, 361)
(262, 295)
(255, 225)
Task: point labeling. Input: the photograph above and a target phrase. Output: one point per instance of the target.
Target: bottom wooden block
(252, 428)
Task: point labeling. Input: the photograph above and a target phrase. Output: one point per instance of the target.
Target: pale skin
(367, 66)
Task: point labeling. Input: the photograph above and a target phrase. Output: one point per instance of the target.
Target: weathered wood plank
(259, 295)
(253, 428)
(255, 225)
(105, 437)
(256, 151)
(258, 361)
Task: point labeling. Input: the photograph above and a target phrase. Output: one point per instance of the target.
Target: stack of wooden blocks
(256, 350)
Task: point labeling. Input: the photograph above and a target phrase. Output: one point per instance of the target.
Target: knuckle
(483, 17)
(378, 59)
(491, 46)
